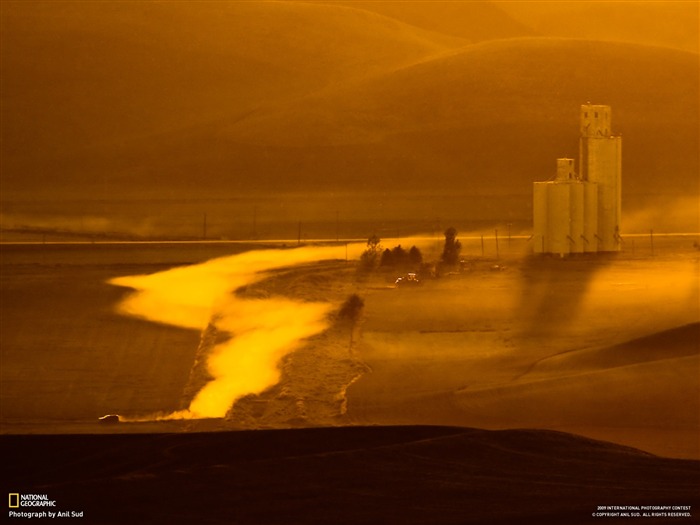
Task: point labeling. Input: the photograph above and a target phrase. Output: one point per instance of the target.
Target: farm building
(581, 212)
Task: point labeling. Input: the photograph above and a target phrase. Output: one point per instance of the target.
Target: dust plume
(665, 214)
(261, 331)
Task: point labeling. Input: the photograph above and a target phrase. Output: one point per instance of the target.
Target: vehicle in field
(109, 419)
(410, 279)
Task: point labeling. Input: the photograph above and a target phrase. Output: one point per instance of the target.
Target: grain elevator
(580, 212)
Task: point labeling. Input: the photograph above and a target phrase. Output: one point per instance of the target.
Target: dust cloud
(261, 331)
(667, 214)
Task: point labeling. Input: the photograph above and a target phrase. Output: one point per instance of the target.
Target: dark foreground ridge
(417, 474)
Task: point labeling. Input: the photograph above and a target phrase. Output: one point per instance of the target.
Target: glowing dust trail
(262, 330)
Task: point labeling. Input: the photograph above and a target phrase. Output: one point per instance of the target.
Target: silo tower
(559, 212)
(601, 163)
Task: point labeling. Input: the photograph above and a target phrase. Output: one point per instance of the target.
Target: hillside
(112, 74)
(667, 344)
(485, 119)
(413, 475)
(668, 23)
(243, 99)
(474, 21)
(496, 115)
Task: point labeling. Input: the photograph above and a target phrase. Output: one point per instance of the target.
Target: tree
(450, 254)
(373, 243)
(368, 259)
(350, 312)
(399, 256)
(352, 308)
(415, 257)
(387, 258)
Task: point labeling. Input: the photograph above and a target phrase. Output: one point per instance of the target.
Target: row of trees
(399, 257)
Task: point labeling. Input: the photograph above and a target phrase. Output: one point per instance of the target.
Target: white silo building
(601, 162)
(577, 213)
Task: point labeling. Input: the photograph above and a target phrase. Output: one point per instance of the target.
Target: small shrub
(352, 308)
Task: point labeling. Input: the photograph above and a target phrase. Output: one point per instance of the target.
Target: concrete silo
(601, 163)
(539, 217)
(559, 217)
(577, 213)
(590, 213)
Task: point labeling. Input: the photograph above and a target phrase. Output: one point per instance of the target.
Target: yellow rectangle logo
(14, 501)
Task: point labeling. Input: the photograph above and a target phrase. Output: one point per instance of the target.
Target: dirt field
(607, 348)
(67, 356)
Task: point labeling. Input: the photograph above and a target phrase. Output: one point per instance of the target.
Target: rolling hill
(413, 475)
(82, 75)
(669, 23)
(493, 117)
(485, 119)
(232, 100)
(474, 20)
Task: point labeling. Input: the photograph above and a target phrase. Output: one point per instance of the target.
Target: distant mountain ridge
(668, 23)
(490, 117)
(473, 20)
(79, 74)
(181, 101)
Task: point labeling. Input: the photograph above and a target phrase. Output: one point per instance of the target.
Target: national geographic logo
(17, 500)
(37, 506)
